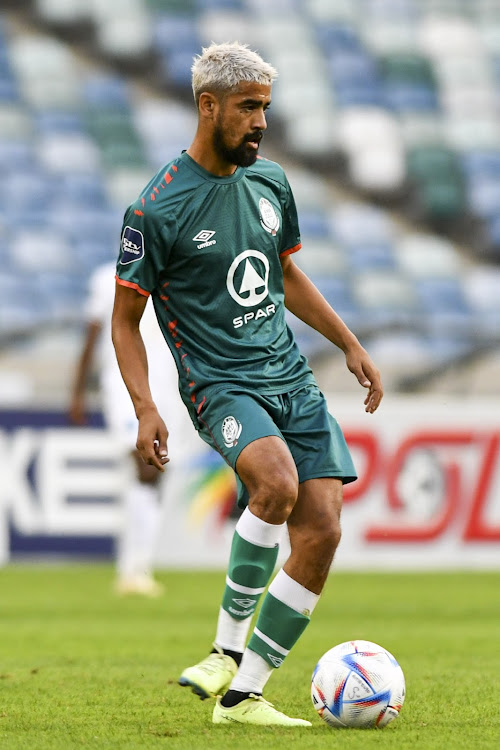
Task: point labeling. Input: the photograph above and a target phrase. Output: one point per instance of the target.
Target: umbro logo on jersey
(205, 238)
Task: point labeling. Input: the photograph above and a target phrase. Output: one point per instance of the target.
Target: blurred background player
(142, 487)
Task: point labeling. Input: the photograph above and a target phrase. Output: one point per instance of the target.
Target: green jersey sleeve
(145, 246)
(290, 238)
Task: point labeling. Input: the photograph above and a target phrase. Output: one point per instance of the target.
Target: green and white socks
(285, 611)
(254, 552)
(284, 615)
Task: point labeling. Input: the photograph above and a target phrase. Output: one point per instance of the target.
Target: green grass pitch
(81, 668)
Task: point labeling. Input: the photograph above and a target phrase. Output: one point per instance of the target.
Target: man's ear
(207, 105)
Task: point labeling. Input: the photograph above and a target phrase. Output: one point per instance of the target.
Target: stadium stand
(385, 114)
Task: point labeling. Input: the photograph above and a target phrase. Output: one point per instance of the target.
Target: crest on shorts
(269, 219)
(231, 430)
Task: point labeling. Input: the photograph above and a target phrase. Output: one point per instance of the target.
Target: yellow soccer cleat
(255, 710)
(210, 677)
(140, 585)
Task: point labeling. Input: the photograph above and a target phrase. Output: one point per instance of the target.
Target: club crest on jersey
(132, 245)
(231, 430)
(269, 219)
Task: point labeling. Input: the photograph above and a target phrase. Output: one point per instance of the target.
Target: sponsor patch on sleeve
(132, 245)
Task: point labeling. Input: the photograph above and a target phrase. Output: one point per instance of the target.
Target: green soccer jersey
(208, 250)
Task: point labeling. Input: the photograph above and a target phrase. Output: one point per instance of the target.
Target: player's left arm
(305, 301)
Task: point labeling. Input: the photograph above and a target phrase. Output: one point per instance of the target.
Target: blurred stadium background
(385, 117)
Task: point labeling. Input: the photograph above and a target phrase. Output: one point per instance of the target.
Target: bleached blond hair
(221, 67)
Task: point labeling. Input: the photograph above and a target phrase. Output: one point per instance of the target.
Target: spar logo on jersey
(248, 277)
(269, 219)
(231, 430)
(132, 245)
(248, 284)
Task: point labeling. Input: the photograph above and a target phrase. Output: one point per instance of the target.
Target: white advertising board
(427, 496)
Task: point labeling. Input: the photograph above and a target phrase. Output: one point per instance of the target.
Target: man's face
(240, 123)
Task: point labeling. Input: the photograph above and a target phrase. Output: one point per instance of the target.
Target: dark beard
(242, 156)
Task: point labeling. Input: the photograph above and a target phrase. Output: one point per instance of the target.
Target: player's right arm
(84, 366)
(132, 359)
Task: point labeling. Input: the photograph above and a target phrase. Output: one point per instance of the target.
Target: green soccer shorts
(233, 418)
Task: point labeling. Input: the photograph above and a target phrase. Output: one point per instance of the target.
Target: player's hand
(360, 364)
(152, 439)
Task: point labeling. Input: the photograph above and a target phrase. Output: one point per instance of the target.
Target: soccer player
(141, 498)
(211, 239)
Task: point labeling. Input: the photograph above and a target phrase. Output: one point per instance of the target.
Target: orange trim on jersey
(138, 213)
(168, 178)
(200, 406)
(291, 250)
(131, 285)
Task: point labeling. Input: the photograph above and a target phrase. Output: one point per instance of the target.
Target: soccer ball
(358, 684)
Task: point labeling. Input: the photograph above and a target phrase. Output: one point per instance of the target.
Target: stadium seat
(492, 228)
(173, 31)
(50, 245)
(40, 57)
(387, 298)
(393, 349)
(125, 37)
(215, 25)
(472, 131)
(314, 223)
(440, 36)
(371, 140)
(379, 169)
(64, 12)
(446, 308)
(60, 152)
(123, 185)
(84, 189)
(355, 224)
(310, 191)
(30, 189)
(311, 134)
(406, 67)
(352, 68)
(436, 174)
(402, 97)
(104, 91)
(340, 11)
(321, 257)
(421, 129)
(338, 292)
(62, 295)
(388, 36)
(15, 122)
(58, 122)
(370, 255)
(482, 291)
(427, 256)
(483, 193)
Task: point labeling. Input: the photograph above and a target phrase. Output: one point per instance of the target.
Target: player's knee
(274, 497)
(323, 539)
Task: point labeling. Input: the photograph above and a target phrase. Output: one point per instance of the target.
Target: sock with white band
(254, 551)
(284, 615)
